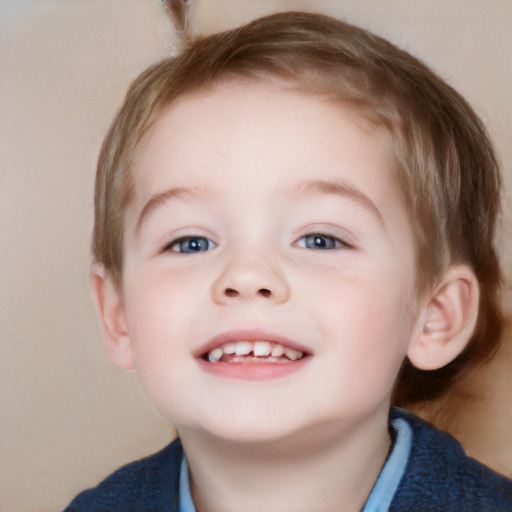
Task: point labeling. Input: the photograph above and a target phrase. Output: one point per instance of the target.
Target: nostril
(230, 292)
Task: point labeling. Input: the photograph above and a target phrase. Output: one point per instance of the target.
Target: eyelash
(329, 242)
(199, 241)
(315, 241)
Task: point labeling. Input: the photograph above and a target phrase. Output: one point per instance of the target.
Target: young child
(294, 231)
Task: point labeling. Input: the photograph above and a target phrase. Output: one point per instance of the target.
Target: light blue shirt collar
(382, 494)
(185, 504)
(389, 479)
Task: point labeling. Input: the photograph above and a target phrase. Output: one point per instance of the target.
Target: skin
(230, 170)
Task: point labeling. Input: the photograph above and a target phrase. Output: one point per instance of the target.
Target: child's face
(266, 215)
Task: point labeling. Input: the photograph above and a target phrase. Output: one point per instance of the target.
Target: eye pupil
(190, 245)
(320, 242)
(194, 245)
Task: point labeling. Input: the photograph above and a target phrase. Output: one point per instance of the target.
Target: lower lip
(252, 371)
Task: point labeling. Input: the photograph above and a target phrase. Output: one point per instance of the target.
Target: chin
(247, 429)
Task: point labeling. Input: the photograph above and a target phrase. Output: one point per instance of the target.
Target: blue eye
(321, 242)
(191, 245)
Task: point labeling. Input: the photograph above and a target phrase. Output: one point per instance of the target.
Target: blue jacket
(439, 477)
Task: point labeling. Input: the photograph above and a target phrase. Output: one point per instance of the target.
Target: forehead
(249, 120)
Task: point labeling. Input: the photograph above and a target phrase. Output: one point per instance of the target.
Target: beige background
(68, 417)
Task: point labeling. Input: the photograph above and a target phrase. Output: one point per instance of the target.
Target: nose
(247, 277)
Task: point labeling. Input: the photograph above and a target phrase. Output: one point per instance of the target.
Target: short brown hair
(445, 161)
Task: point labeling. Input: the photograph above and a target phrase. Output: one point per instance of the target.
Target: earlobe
(112, 318)
(449, 318)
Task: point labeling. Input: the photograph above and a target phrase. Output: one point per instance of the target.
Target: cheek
(369, 319)
(162, 293)
(158, 315)
(156, 307)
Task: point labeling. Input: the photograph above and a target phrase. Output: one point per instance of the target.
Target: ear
(114, 326)
(448, 319)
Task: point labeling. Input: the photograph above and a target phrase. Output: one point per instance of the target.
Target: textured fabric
(147, 485)
(439, 478)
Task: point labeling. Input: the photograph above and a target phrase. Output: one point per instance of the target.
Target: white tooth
(243, 348)
(261, 348)
(229, 348)
(215, 355)
(293, 354)
(277, 351)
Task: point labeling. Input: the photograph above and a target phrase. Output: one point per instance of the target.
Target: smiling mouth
(253, 352)
(252, 355)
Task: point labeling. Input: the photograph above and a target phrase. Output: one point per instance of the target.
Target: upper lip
(232, 336)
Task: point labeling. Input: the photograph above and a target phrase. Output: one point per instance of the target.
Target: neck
(307, 472)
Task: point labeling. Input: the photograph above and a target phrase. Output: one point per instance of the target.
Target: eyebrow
(341, 189)
(158, 199)
(345, 190)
